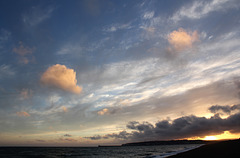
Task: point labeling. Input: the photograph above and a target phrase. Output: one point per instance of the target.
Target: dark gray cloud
(150, 79)
(226, 109)
(67, 135)
(183, 127)
(121, 135)
(96, 137)
(140, 127)
(40, 140)
(68, 139)
(237, 84)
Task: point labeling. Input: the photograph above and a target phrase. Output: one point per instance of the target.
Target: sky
(90, 72)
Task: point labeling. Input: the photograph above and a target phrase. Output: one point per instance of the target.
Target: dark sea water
(94, 152)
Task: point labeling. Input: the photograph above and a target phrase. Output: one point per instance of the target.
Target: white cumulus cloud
(60, 76)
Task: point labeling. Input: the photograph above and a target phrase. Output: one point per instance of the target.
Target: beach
(229, 148)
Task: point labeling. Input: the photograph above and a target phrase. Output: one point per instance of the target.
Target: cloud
(121, 135)
(116, 27)
(179, 128)
(96, 137)
(196, 88)
(68, 139)
(180, 39)
(67, 135)
(23, 113)
(140, 127)
(40, 140)
(26, 93)
(148, 15)
(148, 29)
(23, 52)
(64, 108)
(110, 110)
(36, 15)
(4, 37)
(226, 109)
(5, 71)
(199, 9)
(70, 49)
(60, 76)
(103, 111)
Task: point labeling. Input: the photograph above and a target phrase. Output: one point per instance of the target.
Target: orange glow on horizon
(210, 138)
(228, 135)
(225, 135)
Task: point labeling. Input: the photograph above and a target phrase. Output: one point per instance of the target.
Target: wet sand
(228, 149)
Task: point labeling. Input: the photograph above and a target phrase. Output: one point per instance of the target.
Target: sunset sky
(89, 72)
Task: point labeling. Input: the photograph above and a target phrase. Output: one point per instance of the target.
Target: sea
(160, 151)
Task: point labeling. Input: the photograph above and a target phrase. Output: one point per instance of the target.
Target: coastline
(176, 152)
(229, 148)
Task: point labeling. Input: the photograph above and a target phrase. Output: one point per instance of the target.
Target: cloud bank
(59, 76)
(180, 128)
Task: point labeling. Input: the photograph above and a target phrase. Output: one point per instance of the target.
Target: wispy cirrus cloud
(70, 49)
(148, 15)
(4, 37)
(6, 71)
(160, 105)
(36, 15)
(116, 27)
(167, 80)
(199, 9)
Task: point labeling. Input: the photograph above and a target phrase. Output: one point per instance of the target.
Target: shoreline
(177, 152)
(229, 148)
